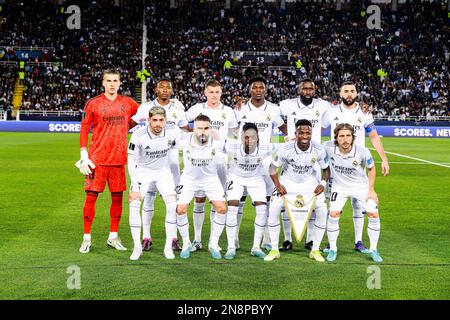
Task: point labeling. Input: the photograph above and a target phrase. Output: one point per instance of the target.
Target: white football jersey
(265, 117)
(247, 165)
(348, 172)
(151, 151)
(174, 112)
(200, 162)
(222, 117)
(294, 110)
(360, 121)
(301, 166)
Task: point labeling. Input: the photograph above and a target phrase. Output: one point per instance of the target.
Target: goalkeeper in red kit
(108, 115)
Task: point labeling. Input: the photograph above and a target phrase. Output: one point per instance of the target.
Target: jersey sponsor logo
(356, 127)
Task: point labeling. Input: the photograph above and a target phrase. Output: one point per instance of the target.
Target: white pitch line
(408, 162)
(417, 159)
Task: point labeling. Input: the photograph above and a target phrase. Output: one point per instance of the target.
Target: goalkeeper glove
(85, 164)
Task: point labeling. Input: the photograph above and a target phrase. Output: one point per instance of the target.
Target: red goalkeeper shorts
(114, 175)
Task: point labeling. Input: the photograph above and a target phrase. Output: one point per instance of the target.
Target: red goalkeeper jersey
(109, 121)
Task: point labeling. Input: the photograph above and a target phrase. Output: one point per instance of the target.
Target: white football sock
(373, 230)
(199, 218)
(358, 223)
(87, 237)
(239, 217)
(183, 228)
(333, 232)
(147, 213)
(310, 228)
(287, 228)
(319, 227)
(171, 220)
(113, 235)
(135, 222)
(260, 225)
(274, 223)
(266, 235)
(231, 225)
(219, 224)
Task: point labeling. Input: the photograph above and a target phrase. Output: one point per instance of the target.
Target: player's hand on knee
(281, 190)
(319, 189)
(134, 196)
(85, 164)
(372, 195)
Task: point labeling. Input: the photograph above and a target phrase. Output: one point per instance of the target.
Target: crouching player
(348, 163)
(246, 173)
(149, 169)
(301, 160)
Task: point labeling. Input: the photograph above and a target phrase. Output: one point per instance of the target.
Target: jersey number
(333, 196)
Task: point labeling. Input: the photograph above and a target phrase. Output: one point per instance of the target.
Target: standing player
(348, 163)
(246, 173)
(175, 115)
(265, 115)
(349, 111)
(300, 160)
(148, 166)
(202, 155)
(109, 117)
(305, 106)
(223, 121)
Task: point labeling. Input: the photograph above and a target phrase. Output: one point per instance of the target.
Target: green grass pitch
(41, 231)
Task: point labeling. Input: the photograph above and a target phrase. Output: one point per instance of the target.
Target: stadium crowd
(401, 70)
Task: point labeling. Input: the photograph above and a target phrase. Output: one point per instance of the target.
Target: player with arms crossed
(300, 160)
(202, 155)
(349, 111)
(247, 173)
(175, 115)
(223, 122)
(148, 167)
(348, 163)
(109, 117)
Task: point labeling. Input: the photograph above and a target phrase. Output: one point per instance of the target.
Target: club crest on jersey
(268, 117)
(355, 163)
(224, 116)
(313, 160)
(122, 108)
(213, 152)
(170, 143)
(317, 114)
(174, 115)
(359, 120)
(299, 201)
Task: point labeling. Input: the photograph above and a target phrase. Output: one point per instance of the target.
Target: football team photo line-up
(228, 156)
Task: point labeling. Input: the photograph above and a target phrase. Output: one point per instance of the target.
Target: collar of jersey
(252, 107)
(354, 110)
(351, 154)
(157, 104)
(301, 105)
(250, 154)
(193, 144)
(220, 107)
(298, 150)
(154, 136)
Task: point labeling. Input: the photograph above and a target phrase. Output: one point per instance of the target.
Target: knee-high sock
(239, 217)
(147, 214)
(266, 235)
(183, 228)
(319, 227)
(373, 230)
(171, 219)
(287, 228)
(260, 225)
(115, 211)
(310, 228)
(358, 222)
(219, 224)
(89, 211)
(274, 222)
(199, 218)
(135, 222)
(333, 232)
(231, 226)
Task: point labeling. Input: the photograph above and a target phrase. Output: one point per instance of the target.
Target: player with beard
(175, 115)
(349, 111)
(305, 106)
